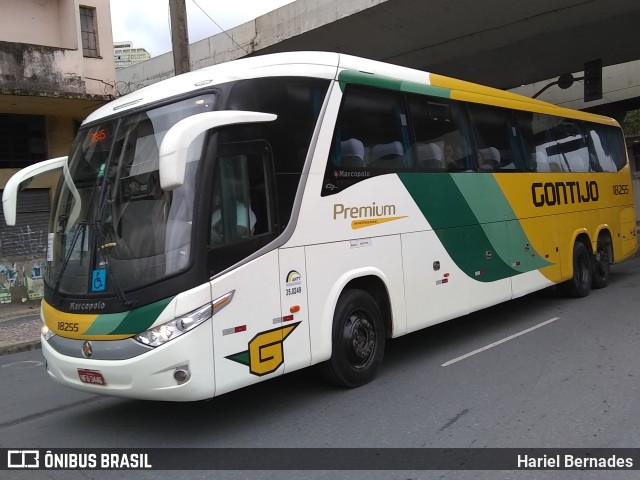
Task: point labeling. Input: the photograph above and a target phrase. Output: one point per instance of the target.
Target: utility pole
(179, 36)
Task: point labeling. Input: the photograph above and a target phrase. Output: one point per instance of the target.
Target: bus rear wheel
(580, 284)
(358, 340)
(601, 265)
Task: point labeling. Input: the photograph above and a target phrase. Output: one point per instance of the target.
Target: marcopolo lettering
(86, 307)
(564, 193)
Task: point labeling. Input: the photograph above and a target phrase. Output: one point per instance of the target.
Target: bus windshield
(114, 228)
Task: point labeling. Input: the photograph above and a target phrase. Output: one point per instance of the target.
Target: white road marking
(491, 345)
(24, 364)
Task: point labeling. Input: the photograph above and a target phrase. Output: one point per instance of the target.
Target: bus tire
(601, 266)
(358, 340)
(580, 284)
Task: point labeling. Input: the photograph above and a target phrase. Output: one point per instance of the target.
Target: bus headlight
(161, 334)
(47, 333)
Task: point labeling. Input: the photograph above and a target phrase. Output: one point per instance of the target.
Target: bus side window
(371, 138)
(540, 146)
(241, 206)
(441, 133)
(532, 160)
(242, 213)
(232, 218)
(604, 146)
(571, 146)
(496, 138)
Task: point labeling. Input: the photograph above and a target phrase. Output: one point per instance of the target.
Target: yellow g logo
(266, 351)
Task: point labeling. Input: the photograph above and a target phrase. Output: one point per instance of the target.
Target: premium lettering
(564, 193)
(369, 211)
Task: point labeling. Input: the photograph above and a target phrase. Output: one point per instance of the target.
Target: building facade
(633, 150)
(56, 67)
(125, 54)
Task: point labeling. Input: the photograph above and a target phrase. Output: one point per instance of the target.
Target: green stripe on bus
(132, 322)
(439, 199)
(104, 324)
(469, 214)
(142, 318)
(380, 81)
(489, 205)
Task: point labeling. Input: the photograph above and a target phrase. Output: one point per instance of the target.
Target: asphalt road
(561, 373)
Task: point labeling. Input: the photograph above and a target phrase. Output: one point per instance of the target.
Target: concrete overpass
(620, 85)
(502, 43)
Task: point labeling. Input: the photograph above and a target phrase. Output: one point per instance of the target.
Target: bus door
(245, 336)
(246, 333)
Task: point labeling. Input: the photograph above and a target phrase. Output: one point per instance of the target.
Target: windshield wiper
(104, 248)
(81, 228)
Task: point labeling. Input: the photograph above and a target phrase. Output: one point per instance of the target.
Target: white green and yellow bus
(249, 219)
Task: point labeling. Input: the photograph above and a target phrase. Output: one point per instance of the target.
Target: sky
(146, 22)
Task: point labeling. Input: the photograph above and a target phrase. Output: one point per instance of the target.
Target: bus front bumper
(180, 370)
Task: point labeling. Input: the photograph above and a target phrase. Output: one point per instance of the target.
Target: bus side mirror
(19, 182)
(175, 145)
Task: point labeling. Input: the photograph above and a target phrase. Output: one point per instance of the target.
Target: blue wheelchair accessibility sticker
(99, 280)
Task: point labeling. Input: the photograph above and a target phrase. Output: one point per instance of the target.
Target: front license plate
(94, 377)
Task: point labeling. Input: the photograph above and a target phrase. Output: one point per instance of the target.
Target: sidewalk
(19, 326)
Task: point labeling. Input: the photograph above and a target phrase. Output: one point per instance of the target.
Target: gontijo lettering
(563, 193)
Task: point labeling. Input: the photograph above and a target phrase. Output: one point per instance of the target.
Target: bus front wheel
(358, 340)
(580, 284)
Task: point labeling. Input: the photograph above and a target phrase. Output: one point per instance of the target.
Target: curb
(16, 310)
(6, 320)
(20, 347)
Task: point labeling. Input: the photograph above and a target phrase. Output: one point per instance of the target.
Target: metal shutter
(28, 238)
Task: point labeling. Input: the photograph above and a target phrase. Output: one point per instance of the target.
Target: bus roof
(332, 66)
(314, 64)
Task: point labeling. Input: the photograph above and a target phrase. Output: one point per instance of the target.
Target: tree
(631, 123)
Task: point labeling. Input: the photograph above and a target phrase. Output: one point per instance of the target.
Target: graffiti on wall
(21, 281)
(22, 262)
